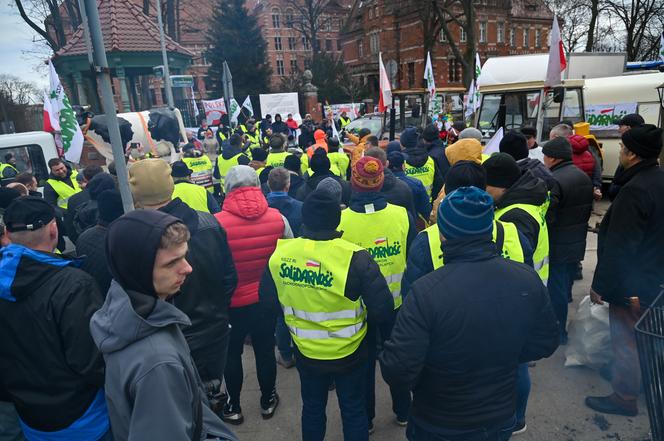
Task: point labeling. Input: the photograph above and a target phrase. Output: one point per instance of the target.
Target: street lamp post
(164, 56)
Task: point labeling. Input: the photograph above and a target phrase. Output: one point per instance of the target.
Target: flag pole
(164, 56)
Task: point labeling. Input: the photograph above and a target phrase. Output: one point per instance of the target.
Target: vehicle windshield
(510, 110)
(370, 122)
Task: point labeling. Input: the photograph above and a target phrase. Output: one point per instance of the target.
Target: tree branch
(35, 27)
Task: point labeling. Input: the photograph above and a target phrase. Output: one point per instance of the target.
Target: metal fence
(650, 344)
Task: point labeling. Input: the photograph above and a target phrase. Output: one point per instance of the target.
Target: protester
(8, 168)
(279, 183)
(291, 123)
(386, 231)
(534, 150)
(30, 182)
(253, 230)
(320, 166)
(471, 133)
(436, 150)
(278, 154)
(200, 134)
(90, 247)
(22, 189)
(252, 136)
(232, 154)
(349, 291)
(49, 366)
(278, 126)
(344, 120)
(195, 196)
(292, 164)
(61, 184)
(87, 214)
(516, 145)
(489, 333)
(420, 197)
(321, 142)
(585, 161)
(625, 124)
(567, 220)
(200, 165)
(152, 387)
(561, 131)
(394, 191)
(339, 160)
(79, 199)
(206, 293)
(258, 160)
(630, 261)
(419, 164)
(360, 141)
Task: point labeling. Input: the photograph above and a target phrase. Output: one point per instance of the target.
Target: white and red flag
(385, 100)
(557, 61)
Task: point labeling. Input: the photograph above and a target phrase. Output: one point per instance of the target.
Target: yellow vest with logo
(63, 190)
(310, 278)
(511, 247)
(191, 194)
(384, 234)
(341, 161)
(201, 168)
(224, 165)
(541, 252)
(424, 174)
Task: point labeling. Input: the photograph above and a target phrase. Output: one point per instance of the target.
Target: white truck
(513, 95)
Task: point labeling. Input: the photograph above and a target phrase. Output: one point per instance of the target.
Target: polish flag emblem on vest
(313, 263)
(380, 240)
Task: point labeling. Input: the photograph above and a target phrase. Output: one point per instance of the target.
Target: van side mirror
(558, 94)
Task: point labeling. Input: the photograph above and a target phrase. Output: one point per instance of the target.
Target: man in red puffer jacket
(253, 230)
(581, 156)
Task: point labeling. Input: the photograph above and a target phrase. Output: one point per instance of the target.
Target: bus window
(572, 108)
(521, 109)
(488, 120)
(30, 159)
(551, 115)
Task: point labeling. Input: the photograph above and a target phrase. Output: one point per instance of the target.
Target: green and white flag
(247, 105)
(474, 100)
(661, 47)
(431, 84)
(72, 137)
(234, 110)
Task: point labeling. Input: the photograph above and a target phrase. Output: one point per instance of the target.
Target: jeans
(350, 388)
(10, 429)
(284, 340)
(626, 371)
(522, 392)
(259, 322)
(498, 432)
(561, 278)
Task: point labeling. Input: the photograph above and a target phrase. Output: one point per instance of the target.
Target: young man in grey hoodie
(152, 387)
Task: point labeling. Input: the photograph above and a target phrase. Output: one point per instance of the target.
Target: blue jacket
(420, 195)
(289, 207)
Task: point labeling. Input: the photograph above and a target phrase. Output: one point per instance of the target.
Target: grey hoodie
(153, 390)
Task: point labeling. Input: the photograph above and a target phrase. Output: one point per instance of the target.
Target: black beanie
(319, 162)
(644, 141)
(558, 148)
(430, 133)
(292, 163)
(502, 171)
(465, 174)
(515, 145)
(110, 206)
(321, 211)
(258, 154)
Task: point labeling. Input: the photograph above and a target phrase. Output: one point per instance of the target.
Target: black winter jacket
(398, 193)
(569, 211)
(437, 152)
(74, 202)
(460, 336)
(539, 170)
(527, 190)
(364, 281)
(311, 182)
(49, 364)
(630, 260)
(206, 293)
(417, 156)
(91, 248)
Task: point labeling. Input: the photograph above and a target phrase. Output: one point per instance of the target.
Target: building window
(293, 66)
(339, 48)
(328, 45)
(280, 68)
(483, 32)
(289, 19)
(277, 43)
(306, 44)
(292, 43)
(453, 70)
(462, 35)
(442, 37)
(500, 32)
(275, 18)
(360, 48)
(374, 42)
(538, 38)
(526, 38)
(512, 37)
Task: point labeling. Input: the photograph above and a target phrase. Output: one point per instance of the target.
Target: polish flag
(51, 123)
(557, 61)
(380, 240)
(313, 263)
(385, 100)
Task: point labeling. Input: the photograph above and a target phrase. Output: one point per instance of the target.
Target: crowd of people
(451, 269)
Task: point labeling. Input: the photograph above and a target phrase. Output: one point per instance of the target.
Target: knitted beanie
(514, 144)
(467, 211)
(321, 211)
(151, 182)
(367, 175)
(644, 141)
(558, 148)
(502, 171)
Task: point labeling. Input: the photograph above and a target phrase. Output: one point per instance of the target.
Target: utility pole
(100, 66)
(164, 56)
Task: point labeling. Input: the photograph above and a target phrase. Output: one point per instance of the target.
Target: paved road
(555, 413)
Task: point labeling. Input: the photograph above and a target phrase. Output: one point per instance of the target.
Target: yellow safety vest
(278, 159)
(384, 234)
(63, 190)
(254, 140)
(192, 195)
(341, 161)
(424, 174)
(310, 278)
(224, 165)
(333, 168)
(511, 246)
(202, 171)
(344, 122)
(541, 252)
(4, 165)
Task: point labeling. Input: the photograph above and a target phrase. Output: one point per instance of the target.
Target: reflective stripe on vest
(201, 168)
(310, 278)
(224, 165)
(63, 190)
(511, 246)
(384, 234)
(541, 252)
(192, 195)
(424, 173)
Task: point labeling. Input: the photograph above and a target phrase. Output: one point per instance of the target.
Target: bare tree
(16, 91)
(47, 18)
(641, 19)
(307, 19)
(460, 14)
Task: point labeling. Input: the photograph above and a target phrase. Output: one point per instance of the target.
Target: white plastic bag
(589, 336)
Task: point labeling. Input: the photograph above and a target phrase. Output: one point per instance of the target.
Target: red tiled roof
(125, 29)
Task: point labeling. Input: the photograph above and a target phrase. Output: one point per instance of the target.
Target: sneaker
(232, 414)
(520, 428)
(284, 362)
(268, 407)
(403, 422)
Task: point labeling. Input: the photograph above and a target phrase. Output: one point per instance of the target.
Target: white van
(32, 150)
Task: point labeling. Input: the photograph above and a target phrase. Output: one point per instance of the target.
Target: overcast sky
(18, 53)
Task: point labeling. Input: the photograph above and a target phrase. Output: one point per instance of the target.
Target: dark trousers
(400, 396)
(522, 392)
(350, 388)
(561, 279)
(211, 361)
(284, 340)
(626, 371)
(257, 321)
(498, 432)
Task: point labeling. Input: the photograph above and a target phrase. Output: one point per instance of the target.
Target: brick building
(504, 27)
(288, 50)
